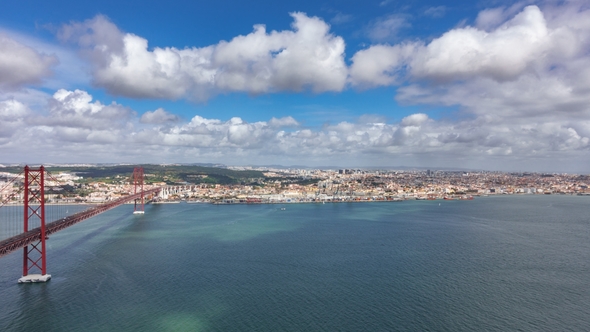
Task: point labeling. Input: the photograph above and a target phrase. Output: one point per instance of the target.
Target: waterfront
(495, 263)
(299, 186)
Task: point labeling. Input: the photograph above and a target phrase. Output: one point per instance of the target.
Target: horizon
(286, 167)
(492, 85)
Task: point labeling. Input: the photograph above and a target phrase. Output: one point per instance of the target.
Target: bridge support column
(34, 258)
(138, 185)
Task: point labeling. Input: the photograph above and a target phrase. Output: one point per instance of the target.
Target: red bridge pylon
(34, 255)
(35, 229)
(138, 187)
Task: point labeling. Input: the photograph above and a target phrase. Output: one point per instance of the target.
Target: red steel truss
(138, 184)
(34, 213)
(19, 241)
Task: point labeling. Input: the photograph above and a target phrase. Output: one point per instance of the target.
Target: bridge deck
(19, 241)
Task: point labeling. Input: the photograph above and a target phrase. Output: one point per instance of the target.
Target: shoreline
(230, 201)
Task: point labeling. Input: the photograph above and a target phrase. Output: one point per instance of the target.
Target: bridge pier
(34, 213)
(138, 185)
(36, 231)
(31, 278)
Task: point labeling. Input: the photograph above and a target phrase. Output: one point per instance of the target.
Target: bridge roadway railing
(19, 241)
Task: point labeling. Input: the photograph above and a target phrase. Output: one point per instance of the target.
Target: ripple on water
(505, 263)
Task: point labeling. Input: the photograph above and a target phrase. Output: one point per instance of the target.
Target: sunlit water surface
(496, 264)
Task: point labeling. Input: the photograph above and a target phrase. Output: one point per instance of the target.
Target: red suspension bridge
(24, 212)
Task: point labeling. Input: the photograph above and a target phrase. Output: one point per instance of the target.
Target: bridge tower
(138, 187)
(34, 256)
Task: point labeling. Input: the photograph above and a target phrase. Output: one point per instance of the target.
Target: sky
(491, 85)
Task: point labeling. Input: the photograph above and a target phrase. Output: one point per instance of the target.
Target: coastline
(229, 201)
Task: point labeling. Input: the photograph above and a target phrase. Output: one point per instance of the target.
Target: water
(493, 264)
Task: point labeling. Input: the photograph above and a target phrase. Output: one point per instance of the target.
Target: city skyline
(494, 85)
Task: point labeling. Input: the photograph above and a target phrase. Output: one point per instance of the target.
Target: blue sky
(488, 84)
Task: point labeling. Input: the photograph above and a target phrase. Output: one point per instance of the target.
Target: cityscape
(290, 185)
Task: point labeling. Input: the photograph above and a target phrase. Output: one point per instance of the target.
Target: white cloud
(70, 71)
(76, 128)
(517, 82)
(414, 120)
(307, 57)
(75, 109)
(503, 54)
(34, 99)
(533, 65)
(158, 116)
(286, 121)
(12, 115)
(519, 79)
(381, 65)
(11, 110)
(520, 45)
(492, 18)
(20, 65)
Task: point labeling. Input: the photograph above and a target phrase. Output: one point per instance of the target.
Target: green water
(494, 264)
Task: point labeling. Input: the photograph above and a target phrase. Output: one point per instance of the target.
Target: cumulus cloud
(74, 127)
(534, 64)
(308, 57)
(518, 82)
(75, 109)
(492, 18)
(519, 78)
(414, 120)
(12, 115)
(158, 116)
(21, 65)
(11, 110)
(503, 54)
(286, 121)
(381, 65)
(520, 45)
(362, 142)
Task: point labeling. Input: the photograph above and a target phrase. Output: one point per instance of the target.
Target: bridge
(32, 236)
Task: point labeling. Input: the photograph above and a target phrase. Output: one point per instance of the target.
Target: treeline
(171, 174)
